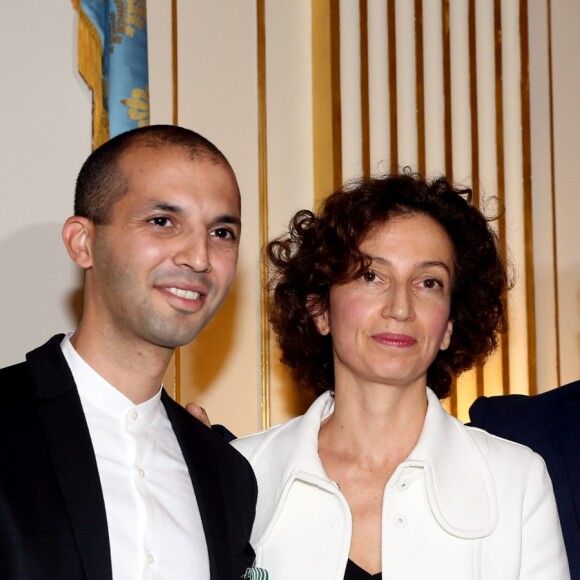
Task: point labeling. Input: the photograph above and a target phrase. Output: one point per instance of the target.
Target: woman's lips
(397, 340)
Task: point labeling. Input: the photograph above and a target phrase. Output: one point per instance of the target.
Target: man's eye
(161, 221)
(224, 233)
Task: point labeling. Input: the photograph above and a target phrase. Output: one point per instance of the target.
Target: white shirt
(155, 529)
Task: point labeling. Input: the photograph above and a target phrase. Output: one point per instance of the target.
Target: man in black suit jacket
(156, 230)
(550, 424)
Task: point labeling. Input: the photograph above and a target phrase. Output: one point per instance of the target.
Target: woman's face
(388, 325)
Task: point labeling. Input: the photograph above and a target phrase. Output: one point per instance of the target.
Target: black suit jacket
(550, 424)
(52, 513)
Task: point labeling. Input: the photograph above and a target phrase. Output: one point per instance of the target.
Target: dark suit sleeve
(550, 425)
(478, 412)
(504, 416)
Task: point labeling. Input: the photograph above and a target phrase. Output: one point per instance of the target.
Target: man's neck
(134, 370)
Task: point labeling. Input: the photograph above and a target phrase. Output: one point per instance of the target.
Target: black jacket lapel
(71, 449)
(226, 506)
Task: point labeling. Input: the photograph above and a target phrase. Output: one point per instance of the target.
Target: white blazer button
(400, 520)
(403, 484)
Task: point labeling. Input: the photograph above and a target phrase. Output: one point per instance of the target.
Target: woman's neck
(375, 423)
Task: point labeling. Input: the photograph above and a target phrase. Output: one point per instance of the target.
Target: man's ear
(77, 234)
(319, 317)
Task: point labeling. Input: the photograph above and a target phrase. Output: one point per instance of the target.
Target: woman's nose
(398, 303)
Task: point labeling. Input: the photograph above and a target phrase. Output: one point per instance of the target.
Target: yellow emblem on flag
(138, 106)
(131, 16)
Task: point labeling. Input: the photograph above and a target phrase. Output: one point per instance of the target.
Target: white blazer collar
(458, 480)
(459, 483)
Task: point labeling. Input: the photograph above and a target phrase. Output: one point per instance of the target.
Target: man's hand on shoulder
(199, 413)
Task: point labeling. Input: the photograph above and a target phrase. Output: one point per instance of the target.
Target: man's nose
(194, 253)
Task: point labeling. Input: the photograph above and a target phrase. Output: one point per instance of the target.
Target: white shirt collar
(94, 388)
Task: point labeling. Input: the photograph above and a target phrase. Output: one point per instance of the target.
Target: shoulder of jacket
(498, 449)
(250, 445)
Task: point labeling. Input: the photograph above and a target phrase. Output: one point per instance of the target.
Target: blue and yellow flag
(112, 58)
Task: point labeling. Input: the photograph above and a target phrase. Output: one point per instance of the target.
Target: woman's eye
(369, 276)
(431, 283)
(161, 221)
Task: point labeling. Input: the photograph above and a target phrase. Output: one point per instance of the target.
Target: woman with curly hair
(391, 290)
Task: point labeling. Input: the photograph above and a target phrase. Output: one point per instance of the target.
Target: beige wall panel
(461, 144)
(289, 111)
(513, 170)
(547, 359)
(406, 84)
(45, 115)
(378, 87)
(566, 56)
(290, 146)
(218, 97)
(350, 92)
(433, 79)
(486, 96)
(460, 97)
(486, 121)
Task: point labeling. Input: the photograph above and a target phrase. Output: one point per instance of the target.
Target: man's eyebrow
(228, 219)
(177, 209)
(168, 207)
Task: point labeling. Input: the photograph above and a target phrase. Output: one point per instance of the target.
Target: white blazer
(464, 505)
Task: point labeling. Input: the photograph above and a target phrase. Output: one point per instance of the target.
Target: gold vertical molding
(174, 62)
(501, 172)
(263, 202)
(527, 200)
(420, 82)
(447, 132)
(393, 112)
(553, 195)
(336, 92)
(175, 115)
(364, 87)
(474, 110)
(326, 99)
(447, 122)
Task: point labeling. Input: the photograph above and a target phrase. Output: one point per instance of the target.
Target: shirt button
(400, 520)
(134, 415)
(403, 484)
(150, 559)
(141, 472)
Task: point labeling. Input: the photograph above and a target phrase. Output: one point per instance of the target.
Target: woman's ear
(447, 336)
(77, 234)
(319, 316)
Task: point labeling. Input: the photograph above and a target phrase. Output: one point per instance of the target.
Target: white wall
(45, 120)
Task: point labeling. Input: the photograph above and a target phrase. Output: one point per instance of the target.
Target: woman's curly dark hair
(322, 249)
